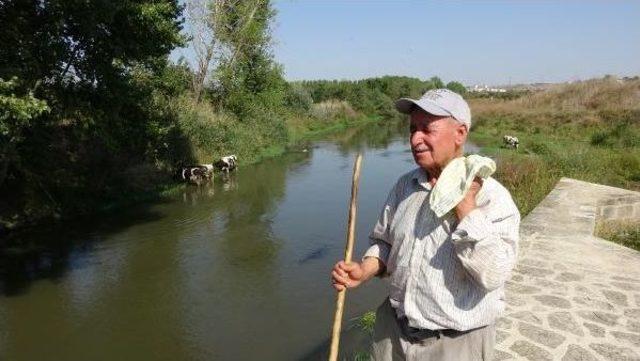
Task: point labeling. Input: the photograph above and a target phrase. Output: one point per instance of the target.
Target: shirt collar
(421, 177)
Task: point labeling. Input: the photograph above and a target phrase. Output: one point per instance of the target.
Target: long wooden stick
(351, 230)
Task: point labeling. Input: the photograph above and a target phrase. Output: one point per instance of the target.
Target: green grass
(549, 151)
(362, 356)
(367, 321)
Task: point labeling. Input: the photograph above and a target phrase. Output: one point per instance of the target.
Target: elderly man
(447, 275)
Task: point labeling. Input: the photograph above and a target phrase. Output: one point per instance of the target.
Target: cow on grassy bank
(510, 141)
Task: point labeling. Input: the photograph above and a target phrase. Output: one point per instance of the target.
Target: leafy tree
(374, 95)
(16, 113)
(456, 87)
(436, 82)
(247, 75)
(93, 43)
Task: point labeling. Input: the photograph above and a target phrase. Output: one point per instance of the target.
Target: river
(234, 271)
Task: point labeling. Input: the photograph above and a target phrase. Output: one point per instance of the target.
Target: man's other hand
(468, 203)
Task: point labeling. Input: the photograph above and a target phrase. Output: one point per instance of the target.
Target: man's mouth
(420, 150)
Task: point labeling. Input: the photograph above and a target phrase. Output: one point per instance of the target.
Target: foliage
(374, 96)
(16, 112)
(297, 98)
(247, 77)
(87, 43)
(95, 66)
(367, 321)
(362, 356)
(95, 112)
(457, 87)
(436, 82)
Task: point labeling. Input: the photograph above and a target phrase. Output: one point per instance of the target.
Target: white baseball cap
(442, 102)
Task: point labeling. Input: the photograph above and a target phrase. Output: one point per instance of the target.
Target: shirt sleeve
(379, 239)
(486, 245)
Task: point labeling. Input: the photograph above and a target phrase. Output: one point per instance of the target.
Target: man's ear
(461, 133)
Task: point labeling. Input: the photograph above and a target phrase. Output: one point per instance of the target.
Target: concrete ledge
(573, 296)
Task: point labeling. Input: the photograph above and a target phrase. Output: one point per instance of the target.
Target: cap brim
(405, 105)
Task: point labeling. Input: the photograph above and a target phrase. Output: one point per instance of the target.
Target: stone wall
(619, 208)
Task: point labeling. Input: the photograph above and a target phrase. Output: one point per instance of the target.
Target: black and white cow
(510, 141)
(196, 174)
(227, 163)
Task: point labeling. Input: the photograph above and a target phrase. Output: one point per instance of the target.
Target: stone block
(577, 353)
(615, 297)
(625, 212)
(565, 322)
(615, 353)
(631, 338)
(527, 316)
(553, 301)
(530, 351)
(604, 318)
(595, 330)
(540, 335)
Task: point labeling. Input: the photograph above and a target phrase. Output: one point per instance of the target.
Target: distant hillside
(593, 100)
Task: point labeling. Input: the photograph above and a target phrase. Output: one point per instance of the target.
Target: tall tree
(247, 71)
(204, 18)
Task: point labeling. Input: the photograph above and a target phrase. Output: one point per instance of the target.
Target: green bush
(600, 138)
(540, 147)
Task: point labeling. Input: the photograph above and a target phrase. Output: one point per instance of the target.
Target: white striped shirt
(445, 275)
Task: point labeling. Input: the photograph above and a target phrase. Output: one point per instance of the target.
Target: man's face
(435, 140)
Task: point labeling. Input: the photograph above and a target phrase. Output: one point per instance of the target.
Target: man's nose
(416, 137)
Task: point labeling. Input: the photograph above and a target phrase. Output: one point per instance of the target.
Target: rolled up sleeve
(379, 239)
(378, 249)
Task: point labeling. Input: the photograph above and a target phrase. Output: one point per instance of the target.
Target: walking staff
(351, 230)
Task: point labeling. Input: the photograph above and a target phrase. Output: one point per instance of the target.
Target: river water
(234, 271)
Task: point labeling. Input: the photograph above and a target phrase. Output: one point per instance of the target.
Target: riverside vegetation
(94, 115)
(587, 130)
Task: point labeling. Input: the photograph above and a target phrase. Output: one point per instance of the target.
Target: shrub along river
(238, 270)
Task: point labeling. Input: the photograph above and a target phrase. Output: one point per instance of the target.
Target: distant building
(485, 89)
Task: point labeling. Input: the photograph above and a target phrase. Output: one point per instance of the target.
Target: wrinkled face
(435, 140)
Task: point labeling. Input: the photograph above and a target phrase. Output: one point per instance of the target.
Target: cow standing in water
(196, 174)
(227, 163)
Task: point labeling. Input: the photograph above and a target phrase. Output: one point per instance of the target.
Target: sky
(474, 42)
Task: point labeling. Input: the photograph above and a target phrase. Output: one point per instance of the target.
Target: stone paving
(573, 296)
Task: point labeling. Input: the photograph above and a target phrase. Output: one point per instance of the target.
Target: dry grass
(332, 109)
(588, 131)
(624, 232)
(588, 98)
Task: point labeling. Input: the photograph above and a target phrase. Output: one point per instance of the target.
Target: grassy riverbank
(151, 184)
(70, 164)
(588, 131)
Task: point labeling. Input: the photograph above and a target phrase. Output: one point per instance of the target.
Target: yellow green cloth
(455, 180)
